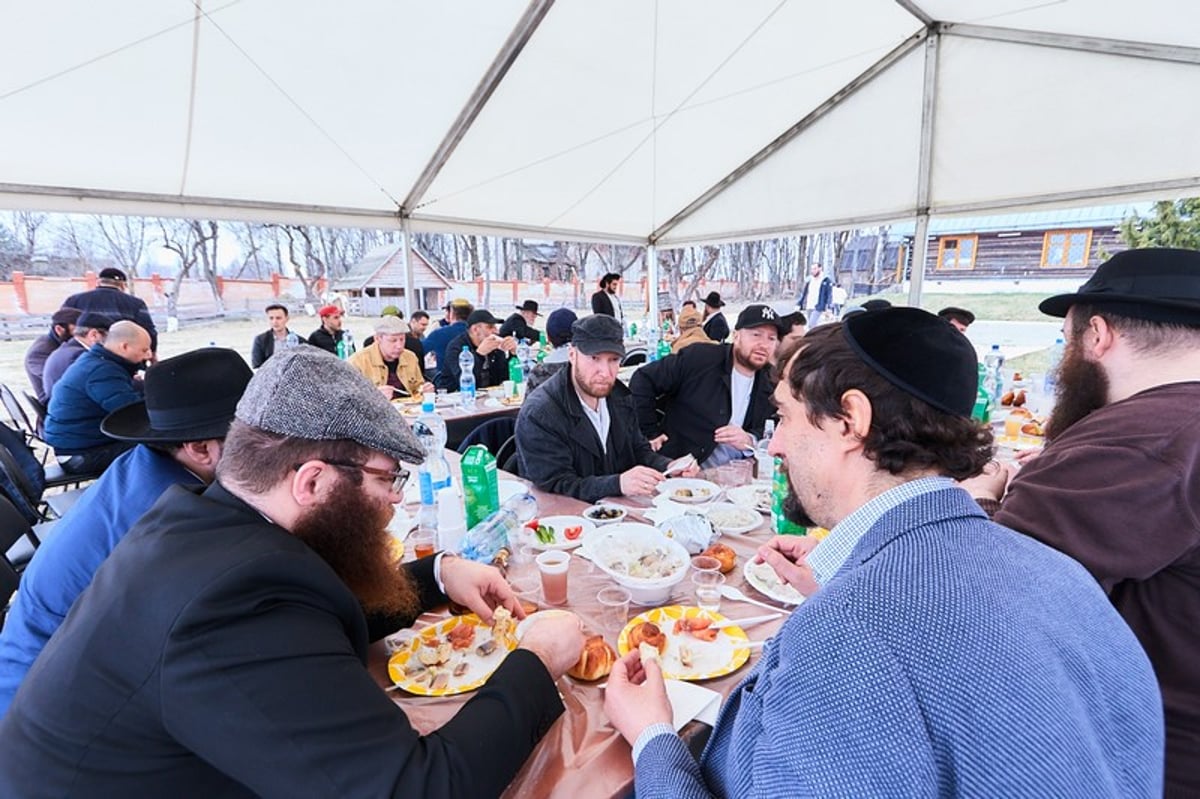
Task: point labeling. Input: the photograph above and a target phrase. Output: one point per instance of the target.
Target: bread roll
(647, 633)
(724, 554)
(649, 653)
(595, 661)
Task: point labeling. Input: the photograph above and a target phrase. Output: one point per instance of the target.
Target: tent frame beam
(526, 26)
(918, 12)
(810, 119)
(924, 169)
(1064, 41)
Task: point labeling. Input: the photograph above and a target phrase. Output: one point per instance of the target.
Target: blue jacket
(436, 341)
(95, 385)
(64, 564)
(948, 656)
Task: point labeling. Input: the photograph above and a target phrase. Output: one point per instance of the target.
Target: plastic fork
(729, 592)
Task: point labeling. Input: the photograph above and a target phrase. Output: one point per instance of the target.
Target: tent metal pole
(535, 12)
(652, 282)
(924, 169)
(409, 281)
(1065, 41)
(916, 11)
(810, 119)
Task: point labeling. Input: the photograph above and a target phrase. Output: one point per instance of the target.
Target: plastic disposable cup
(553, 566)
(423, 544)
(708, 590)
(614, 609)
(510, 388)
(705, 563)
(1012, 425)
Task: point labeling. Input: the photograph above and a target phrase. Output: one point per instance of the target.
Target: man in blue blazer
(937, 654)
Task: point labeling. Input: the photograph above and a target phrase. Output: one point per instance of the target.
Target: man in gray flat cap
(221, 649)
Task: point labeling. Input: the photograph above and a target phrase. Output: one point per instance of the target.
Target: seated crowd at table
(200, 624)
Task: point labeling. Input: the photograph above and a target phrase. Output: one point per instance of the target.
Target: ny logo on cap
(768, 313)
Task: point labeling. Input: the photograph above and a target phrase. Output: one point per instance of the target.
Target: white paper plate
(689, 490)
(764, 580)
(560, 525)
(727, 517)
(755, 495)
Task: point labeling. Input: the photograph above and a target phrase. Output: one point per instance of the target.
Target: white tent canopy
(660, 122)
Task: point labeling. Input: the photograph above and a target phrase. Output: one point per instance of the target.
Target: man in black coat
(109, 299)
(608, 299)
(245, 671)
(715, 326)
(519, 325)
(577, 434)
(715, 399)
(277, 337)
(330, 333)
(489, 351)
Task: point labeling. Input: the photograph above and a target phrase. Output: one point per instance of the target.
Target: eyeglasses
(399, 478)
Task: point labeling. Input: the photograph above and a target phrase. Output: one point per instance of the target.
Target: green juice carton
(779, 491)
(480, 484)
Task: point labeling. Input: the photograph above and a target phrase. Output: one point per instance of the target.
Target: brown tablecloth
(582, 756)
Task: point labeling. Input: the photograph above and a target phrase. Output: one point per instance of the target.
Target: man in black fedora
(715, 326)
(179, 426)
(109, 298)
(1118, 485)
(519, 325)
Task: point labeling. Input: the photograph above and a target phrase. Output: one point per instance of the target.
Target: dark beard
(794, 512)
(1082, 388)
(349, 532)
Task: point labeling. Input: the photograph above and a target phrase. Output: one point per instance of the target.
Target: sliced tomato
(573, 532)
(532, 524)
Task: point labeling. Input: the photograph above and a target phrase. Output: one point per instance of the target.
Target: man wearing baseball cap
(943, 654)
(457, 312)
(716, 399)
(577, 434)
(178, 428)
(1118, 485)
(559, 325)
(221, 649)
(109, 299)
(90, 328)
(489, 350)
(62, 327)
(330, 332)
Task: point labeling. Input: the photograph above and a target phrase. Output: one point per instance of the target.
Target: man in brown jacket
(1118, 486)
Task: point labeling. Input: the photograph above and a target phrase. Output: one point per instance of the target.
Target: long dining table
(582, 756)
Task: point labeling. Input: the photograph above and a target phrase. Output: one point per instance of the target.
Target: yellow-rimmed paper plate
(407, 671)
(726, 654)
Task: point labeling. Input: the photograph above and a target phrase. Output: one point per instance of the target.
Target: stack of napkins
(690, 701)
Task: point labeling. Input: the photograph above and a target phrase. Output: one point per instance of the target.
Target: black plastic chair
(492, 434)
(17, 414)
(506, 456)
(25, 479)
(634, 357)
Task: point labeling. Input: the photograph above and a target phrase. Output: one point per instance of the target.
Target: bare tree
(124, 239)
(194, 241)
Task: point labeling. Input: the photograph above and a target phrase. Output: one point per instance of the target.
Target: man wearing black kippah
(937, 653)
(715, 399)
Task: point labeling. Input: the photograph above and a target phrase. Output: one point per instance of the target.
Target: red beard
(349, 531)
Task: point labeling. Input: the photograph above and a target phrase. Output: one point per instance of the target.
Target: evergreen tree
(1169, 224)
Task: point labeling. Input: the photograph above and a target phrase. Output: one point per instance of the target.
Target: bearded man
(944, 655)
(221, 648)
(1118, 485)
(577, 434)
(714, 399)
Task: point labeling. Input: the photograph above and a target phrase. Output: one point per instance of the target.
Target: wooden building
(378, 280)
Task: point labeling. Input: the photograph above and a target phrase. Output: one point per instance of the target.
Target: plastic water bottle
(664, 348)
(292, 340)
(994, 363)
(516, 374)
(430, 430)
(524, 358)
(466, 380)
(765, 463)
(1050, 383)
(341, 349)
(484, 540)
(543, 347)
(348, 338)
(651, 343)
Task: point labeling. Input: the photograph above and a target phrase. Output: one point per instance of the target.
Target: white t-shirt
(740, 388)
(599, 418)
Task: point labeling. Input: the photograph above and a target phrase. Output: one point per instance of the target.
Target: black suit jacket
(692, 387)
(215, 654)
(490, 370)
(602, 303)
(716, 328)
(558, 447)
(264, 347)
